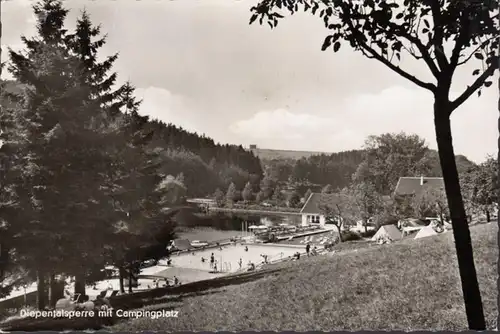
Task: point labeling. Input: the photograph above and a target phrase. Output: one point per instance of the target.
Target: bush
(350, 236)
(368, 234)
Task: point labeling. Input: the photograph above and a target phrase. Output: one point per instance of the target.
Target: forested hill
(337, 169)
(204, 165)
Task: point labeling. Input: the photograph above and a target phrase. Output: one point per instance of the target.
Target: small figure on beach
(246, 248)
(212, 260)
(203, 259)
(240, 262)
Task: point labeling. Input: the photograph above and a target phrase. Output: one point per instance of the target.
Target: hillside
(270, 154)
(204, 164)
(412, 285)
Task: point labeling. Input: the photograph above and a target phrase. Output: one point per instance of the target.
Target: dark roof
(413, 186)
(312, 204)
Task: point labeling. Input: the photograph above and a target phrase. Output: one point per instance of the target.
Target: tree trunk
(130, 273)
(40, 293)
(461, 233)
(340, 232)
(121, 277)
(488, 218)
(52, 290)
(80, 286)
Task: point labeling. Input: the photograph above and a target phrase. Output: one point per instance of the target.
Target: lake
(194, 225)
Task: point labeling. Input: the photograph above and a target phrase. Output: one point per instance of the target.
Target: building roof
(312, 204)
(415, 185)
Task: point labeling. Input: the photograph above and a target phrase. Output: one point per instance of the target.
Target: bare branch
(463, 37)
(471, 89)
(399, 31)
(396, 69)
(360, 40)
(477, 49)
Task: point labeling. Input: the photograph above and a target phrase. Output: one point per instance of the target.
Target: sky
(200, 65)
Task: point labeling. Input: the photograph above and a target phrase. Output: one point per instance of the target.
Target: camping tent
(427, 232)
(387, 233)
(181, 244)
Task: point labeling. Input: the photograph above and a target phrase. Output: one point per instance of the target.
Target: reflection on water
(232, 221)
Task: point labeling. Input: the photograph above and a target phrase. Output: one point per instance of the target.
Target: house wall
(322, 220)
(306, 219)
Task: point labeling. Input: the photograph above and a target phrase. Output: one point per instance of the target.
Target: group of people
(309, 251)
(166, 283)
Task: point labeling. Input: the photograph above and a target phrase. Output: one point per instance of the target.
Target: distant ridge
(270, 154)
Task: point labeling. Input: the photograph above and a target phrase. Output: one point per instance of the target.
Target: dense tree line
(86, 181)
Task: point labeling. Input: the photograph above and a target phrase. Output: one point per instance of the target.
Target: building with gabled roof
(409, 186)
(311, 211)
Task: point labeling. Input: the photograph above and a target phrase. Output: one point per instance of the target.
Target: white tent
(426, 232)
(387, 233)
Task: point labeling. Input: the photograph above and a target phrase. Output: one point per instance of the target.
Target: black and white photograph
(249, 165)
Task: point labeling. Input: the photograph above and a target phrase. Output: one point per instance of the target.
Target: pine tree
(85, 44)
(247, 192)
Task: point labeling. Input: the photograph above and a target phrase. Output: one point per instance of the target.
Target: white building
(311, 212)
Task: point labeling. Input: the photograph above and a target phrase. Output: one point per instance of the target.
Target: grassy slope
(411, 285)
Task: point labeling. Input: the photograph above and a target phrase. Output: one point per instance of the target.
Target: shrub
(368, 234)
(350, 236)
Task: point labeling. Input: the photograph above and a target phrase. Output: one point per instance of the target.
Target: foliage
(365, 202)
(336, 209)
(307, 194)
(247, 192)
(293, 200)
(267, 186)
(480, 186)
(391, 156)
(219, 197)
(328, 189)
(231, 194)
(430, 202)
(277, 195)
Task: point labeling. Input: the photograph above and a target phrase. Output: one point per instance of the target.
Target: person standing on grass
(308, 248)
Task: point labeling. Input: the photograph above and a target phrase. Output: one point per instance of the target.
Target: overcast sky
(198, 64)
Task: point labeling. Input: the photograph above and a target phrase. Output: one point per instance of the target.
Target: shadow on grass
(167, 295)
